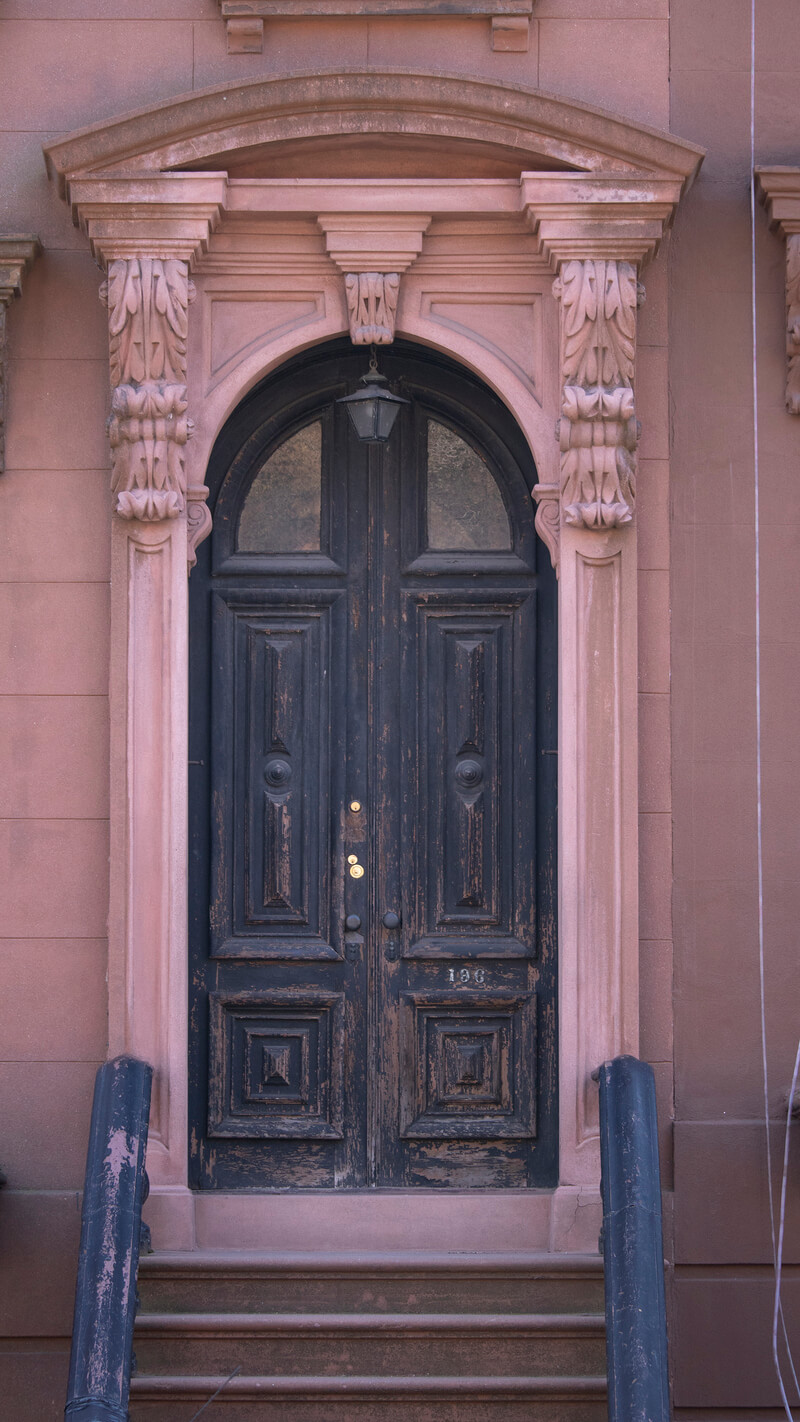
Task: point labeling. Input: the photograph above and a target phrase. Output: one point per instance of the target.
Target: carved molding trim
(148, 302)
(779, 189)
(372, 306)
(598, 431)
(16, 255)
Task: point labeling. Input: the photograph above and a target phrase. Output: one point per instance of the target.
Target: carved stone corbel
(779, 189)
(148, 300)
(147, 232)
(598, 431)
(16, 255)
(373, 250)
(597, 230)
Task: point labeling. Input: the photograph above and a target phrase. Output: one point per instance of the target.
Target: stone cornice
(578, 216)
(373, 242)
(779, 190)
(244, 19)
(16, 255)
(166, 216)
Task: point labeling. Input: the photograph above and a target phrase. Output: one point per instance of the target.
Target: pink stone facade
(677, 66)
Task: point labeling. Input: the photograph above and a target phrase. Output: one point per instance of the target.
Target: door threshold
(565, 1219)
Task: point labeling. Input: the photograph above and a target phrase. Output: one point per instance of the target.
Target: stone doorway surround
(215, 276)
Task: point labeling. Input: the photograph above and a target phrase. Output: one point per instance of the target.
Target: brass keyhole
(352, 858)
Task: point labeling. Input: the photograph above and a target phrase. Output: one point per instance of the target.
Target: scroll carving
(793, 323)
(148, 427)
(548, 519)
(598, 431)
(372, 306)
(198, 521)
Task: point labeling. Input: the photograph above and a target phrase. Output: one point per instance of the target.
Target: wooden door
(373, 796)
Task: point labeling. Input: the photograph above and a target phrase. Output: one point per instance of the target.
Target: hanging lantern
(374, 409)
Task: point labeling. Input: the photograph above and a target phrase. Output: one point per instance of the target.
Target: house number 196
(467, 975)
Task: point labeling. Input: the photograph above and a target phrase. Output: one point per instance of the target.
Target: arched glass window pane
(465, 506)
(281, 513)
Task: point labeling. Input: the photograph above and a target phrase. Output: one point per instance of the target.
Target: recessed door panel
(373, 796)
(470, 765)
(276, 705)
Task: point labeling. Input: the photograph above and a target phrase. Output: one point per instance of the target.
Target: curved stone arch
(216, 405)
(590, 194)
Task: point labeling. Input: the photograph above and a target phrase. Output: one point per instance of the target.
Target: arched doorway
(372, 794)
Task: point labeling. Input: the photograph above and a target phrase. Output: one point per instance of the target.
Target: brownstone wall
(722, 1246)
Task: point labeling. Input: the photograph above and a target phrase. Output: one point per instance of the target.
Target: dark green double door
(373, 946)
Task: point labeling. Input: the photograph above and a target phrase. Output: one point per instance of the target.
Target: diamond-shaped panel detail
(464, 1065)
(276, 1065)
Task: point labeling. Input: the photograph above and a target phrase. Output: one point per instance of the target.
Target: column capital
(167, 216)
(580, 216)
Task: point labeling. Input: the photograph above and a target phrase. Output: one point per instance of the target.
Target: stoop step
(357, 1337)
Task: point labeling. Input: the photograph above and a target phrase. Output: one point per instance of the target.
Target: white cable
(778, 1306)
(776, 1254)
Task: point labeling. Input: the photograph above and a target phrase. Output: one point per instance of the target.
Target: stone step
(400, 1282)
(332, 1345)
(363, 1399)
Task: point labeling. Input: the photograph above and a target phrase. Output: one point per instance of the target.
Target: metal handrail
(105, 1293)
(633, 1249)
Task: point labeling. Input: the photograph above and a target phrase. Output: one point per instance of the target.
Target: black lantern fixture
(374, 409)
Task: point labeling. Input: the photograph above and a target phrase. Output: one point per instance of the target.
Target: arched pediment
(426, 124)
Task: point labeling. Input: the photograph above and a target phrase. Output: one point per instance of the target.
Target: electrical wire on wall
(777, 1239)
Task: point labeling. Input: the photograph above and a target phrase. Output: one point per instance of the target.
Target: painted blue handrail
(105, 1293)
(633, 1250)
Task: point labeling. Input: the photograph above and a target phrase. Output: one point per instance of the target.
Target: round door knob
(391, 920)
(352, 922)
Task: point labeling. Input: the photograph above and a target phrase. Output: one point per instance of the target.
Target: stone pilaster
(596, 232)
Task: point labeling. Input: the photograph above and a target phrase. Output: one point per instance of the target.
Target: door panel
(373, 723)
(275, 781)
(475, 859)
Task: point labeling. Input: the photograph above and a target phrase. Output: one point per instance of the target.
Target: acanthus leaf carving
(372, 306)
(598, 431)
(793, 323)
(148, 300)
